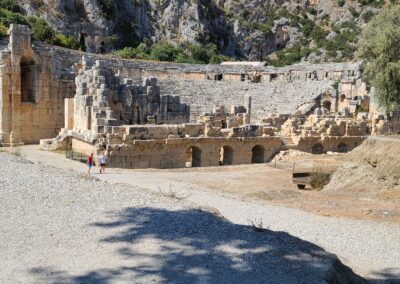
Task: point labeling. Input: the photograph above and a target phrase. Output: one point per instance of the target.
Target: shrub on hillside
(66, 41)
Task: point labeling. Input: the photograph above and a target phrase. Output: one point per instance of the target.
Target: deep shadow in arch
(27, 79)
(327, 105)
(257, 154)
(193, 157)
(192, 246)
(226, 155)
(317, 149)
(342, 147)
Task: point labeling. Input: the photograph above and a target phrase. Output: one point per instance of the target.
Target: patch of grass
(257, 225)
(173, 194)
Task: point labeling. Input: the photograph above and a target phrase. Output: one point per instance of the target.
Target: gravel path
(371, 249)
(57, 226)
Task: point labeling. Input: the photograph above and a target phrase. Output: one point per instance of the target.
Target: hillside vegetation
(199, 31)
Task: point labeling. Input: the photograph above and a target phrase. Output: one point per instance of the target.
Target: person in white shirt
(103, 160)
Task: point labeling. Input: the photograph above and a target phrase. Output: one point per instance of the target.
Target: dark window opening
(218, 77)
(224, 124)
(27, 80)
(317, 149)
(82, 42)
(226, 156)
(342, 148)
(327, 105)
(274, 76)
(193, 157)
(242, 77)
(257, 154)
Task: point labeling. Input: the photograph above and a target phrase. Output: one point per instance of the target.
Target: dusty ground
(272, 183)
(263, 194)
(59, 226)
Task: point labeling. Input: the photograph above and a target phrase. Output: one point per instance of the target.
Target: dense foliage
(10, 13)
(164, 51)
(380, 47)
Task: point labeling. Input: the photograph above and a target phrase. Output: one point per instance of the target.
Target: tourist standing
(103, 160)
(90, 164)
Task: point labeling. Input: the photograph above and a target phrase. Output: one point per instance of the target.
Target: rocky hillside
(281, 31)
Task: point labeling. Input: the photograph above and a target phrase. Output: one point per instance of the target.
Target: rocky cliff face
(249, 29)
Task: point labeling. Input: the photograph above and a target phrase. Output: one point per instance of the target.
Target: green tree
(380, 47)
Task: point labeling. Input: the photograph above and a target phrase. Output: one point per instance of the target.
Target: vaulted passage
(27, 80)
(193, 157)
(327, 105)
(226, 155)
(257, 154)
(342, 147)
(317, 149)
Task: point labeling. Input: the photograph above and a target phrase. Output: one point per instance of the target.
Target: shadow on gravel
(387, 276)
(195, 246)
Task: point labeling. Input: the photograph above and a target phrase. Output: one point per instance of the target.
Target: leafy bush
(8, 17)
(380, 47)
(127, 53)
(374, 3)
(367, 16)
(10, 5)
(66, 41)
(354, 12)
(164, 51)
(3, 30)
(41, 30)
(290, 56)
(341, 3)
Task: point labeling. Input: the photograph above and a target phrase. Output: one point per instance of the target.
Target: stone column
(20, 47)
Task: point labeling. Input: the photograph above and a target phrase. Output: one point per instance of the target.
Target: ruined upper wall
(68, 58)
(36, 78)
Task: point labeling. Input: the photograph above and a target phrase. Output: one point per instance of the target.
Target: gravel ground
(57, 226)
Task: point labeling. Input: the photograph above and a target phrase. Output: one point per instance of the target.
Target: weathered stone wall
(32, 91)
(323, 144)
(172, 152)
(35, 80)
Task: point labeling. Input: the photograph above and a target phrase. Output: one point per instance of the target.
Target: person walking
(90, 164)
(103, 160)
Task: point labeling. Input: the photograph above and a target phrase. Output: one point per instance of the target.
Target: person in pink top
(90, 164)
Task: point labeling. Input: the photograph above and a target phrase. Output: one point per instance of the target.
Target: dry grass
(174, 194)
(257, 225)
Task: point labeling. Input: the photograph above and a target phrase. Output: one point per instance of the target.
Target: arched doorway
(193, 157)
(257, 154)
(226, 155)
(342, 147)
(327, 105)
(317, 149)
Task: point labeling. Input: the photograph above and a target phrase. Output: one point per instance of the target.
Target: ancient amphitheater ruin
(165, 115)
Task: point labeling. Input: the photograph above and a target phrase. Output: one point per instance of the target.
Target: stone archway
(342, 147)
(193, 157)
(317, 148)
(257, 154)
(226, 155)
(327, 105)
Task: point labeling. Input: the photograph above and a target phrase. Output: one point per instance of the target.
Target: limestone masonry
(165, 115)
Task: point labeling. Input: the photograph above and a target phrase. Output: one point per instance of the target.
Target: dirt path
(371, 248)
